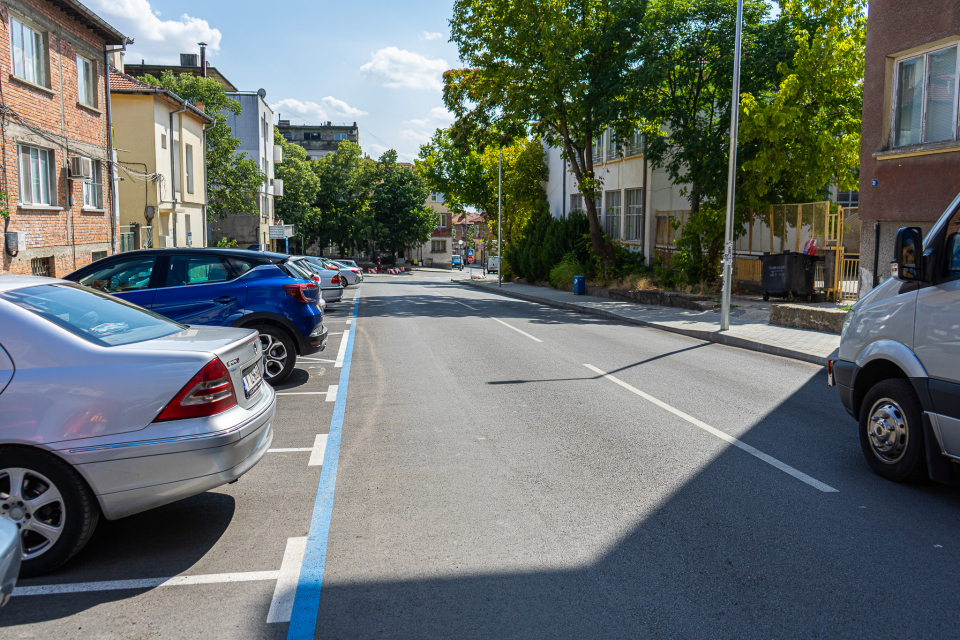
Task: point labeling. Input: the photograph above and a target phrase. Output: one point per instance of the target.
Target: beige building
(160, 148)
(438, 251)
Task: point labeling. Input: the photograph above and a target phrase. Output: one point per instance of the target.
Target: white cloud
(438, 117)
(157, 41)
(430, 35)
(314, 113)
(396, 68)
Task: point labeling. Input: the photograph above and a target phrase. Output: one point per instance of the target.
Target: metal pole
(500, 219)
(731, 178)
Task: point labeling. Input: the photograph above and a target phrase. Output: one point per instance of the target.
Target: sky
(376, 63)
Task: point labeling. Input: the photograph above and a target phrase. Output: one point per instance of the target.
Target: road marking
(282, 604)
(332, 393)
(343, 349)
(458, 302)
(315, 359)
(301, 393)
(799, 475)
(517, 330)
(316, 453)
(290, 450)
(306, 604)
(335, 333)
(147, 583)
(348, 322)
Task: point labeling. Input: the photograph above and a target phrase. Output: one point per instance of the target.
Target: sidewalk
(745, 332)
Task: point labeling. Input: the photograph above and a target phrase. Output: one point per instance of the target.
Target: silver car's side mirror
(906, 255)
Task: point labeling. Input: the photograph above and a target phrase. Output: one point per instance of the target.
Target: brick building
(54, 108)
(910, 145)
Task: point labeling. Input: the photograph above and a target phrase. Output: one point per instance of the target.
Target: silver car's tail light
(209, 392)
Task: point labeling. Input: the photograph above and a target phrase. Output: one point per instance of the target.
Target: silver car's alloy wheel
(35, 504)
(887, 431)
(274, 356)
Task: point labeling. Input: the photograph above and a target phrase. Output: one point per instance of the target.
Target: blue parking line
(306, 603)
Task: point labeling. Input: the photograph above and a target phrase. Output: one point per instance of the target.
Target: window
(925, 107)
(576, 202)
(287, 135)
(176, 166)
(189, 167)
(97, 255)
(443, 221)
(848, 198)
(634, 219)
(37, 171)
(121, 275)
(613, 151)
(437, 197)
(28, 52)
(187, 270)
(93, 190)
(634, 146)
(438, 246)
(43, 267)
(163, 141)
(86, 81)
(340, 136)
(611, 215)
(598, 148)
(313, 135)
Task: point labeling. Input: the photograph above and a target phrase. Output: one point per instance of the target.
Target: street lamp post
(731, 178)
(500, 220)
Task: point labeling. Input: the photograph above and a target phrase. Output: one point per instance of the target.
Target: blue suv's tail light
(299, 291)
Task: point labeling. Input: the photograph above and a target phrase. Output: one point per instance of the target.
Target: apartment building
(190, 63)
(319, 140)
(56, 136)
(438, 250)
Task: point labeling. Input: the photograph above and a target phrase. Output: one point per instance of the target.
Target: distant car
(349, 263)
(457, 260)
(109, 409)
(9, 558)
(353, 275)
(331, 287)
(222, 287)
(493, 264)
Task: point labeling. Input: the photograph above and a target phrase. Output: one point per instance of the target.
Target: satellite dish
(262, 93)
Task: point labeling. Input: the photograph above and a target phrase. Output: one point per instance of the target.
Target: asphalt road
(509, 470)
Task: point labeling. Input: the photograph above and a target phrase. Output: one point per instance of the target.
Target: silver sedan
(109, 409)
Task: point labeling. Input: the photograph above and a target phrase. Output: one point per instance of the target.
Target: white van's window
(951, 257)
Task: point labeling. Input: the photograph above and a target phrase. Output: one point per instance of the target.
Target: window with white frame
(28, 53)
(438, 246)
(576, 202)
(443, 221)
(437, 197)
(614, 148)
(93, 189)
(633, 222)
(925, 98)
(86, 81)
(634, 145)
(611, 215)
(598, 148)
(37, 175)
(188, 165)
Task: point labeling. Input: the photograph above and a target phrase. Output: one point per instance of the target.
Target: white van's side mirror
(907, 254)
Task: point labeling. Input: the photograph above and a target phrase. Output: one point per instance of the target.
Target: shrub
(561, 276)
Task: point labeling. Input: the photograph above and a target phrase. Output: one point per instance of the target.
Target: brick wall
(51, 117)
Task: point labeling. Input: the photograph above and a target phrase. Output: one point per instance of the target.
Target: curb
(707, 336)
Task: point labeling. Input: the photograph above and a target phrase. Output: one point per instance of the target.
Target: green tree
(806, 132)
(345, 182)
(558, 70)
(233, 179)
(685, 86)
(301, 184)
(398, 204)
(456, 171)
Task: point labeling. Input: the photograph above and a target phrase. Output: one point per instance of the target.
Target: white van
(898, 371)
(493, 264)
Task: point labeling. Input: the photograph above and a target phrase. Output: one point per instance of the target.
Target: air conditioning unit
(277, 187)
(277, 154)
(80, 168)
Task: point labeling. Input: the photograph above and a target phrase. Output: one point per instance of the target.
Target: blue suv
(225, 287)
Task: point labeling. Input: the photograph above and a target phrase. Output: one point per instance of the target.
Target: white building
(632, 190)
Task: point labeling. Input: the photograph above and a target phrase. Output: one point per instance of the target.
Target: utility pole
(500, 219)
(731, 178)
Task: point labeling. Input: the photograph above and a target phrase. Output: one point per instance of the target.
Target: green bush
(561, 276)
(544, 243)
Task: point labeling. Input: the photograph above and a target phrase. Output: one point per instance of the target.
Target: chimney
(203, 59)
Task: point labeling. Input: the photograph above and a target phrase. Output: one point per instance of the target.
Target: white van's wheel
(891, 431)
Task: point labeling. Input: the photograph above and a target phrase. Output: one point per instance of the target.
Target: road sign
(281, 231)
(469, 259)
(469, 252)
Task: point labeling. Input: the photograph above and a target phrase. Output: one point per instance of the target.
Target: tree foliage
(301, 184)
(401, 216)
(233, 179)
(558, 70)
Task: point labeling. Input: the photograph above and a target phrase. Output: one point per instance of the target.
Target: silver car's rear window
(94, 316)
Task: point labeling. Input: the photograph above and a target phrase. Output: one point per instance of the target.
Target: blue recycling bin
(579, 285)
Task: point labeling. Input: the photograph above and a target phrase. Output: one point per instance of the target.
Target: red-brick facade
(63, 236)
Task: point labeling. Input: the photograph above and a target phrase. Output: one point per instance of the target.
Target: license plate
(252, 379)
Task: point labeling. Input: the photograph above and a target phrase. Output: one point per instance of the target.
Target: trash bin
(789, 275)
(579, 285)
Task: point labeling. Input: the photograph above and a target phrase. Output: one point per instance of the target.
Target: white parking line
(301, 393)
(147, 583)
(282, 604)
(517, 330)
(343, 350)
(799, 475)
(290, 450)
(315, 359)
(349, 322)
(332, 392)
(319, 448)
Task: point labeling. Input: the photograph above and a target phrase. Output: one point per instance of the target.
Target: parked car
(349, 263)
(147, 411)
(223, 287)
(897, 369)
(457, 261)
(9, 558)
(353, 275)
(329, 281)
(493, 264)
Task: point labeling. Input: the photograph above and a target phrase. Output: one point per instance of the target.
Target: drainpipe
(114, 183)
(174, 177)
(876, 252)
(643, 245)
(206, 193)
